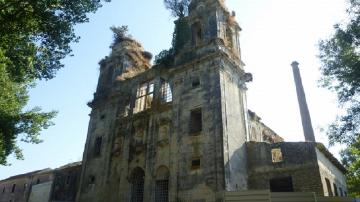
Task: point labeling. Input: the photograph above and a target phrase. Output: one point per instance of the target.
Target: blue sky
(275, 32)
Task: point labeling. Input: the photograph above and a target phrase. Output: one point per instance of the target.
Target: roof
(28, 174)
(70, 165)
(331, 157)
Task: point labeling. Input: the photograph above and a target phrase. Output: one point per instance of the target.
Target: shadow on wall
(236, 176)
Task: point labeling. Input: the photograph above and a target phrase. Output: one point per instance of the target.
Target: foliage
(178, 8)
(34, 37)
(181, 35)
(351, 160)
(120, 33)
(340, 57)
(165, 57)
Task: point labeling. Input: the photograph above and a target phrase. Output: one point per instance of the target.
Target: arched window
(196, 33)
(137, 185)
(162, 184)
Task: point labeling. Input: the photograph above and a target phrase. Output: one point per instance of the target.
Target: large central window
(144, 97)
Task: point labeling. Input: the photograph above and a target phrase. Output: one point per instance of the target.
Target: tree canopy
(340, 57)
(178, 8)
(34, 37)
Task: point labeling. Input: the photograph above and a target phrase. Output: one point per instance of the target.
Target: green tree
(340, 57)
(34, 37)
(351, 160)
(178, 8)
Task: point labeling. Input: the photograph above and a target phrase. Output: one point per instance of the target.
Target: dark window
(91, 180)
(195, 82)
(195, 164)
(97, 147)
(68, 178)
(328, 186)
(345, 193)
(13, 188)
(3, 191)
(137, 185)
(335, 190)
(25, 186)
(102, 117)
(196, 33)
(341, 191)
(195, 121)
(38, 181)
(162, 191)
(281, 185)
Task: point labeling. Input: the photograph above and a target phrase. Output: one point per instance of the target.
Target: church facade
(180, 130)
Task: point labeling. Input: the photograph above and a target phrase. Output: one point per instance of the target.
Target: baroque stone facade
(180, 130)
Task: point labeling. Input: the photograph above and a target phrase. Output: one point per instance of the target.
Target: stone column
(304, 110)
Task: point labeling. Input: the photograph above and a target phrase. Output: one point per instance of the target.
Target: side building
(48, 185)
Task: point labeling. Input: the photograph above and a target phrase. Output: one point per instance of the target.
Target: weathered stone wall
(20, 193)
(299, 162)
(259, 132)
(335, 176)
(66, 183)
(206, 80)
(18, 188)
(234, 127)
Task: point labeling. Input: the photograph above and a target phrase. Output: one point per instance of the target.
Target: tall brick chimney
(304, 110)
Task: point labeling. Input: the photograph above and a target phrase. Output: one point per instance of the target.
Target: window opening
(137, 185)
(195, 164)
(68, 179)
(97, 147)
(25, 186)
(165, 91)
(196, 33)
(195, 82)
(91, 179)
(276, 155)
(281, 185)
(195, 121)
(341, 191)
(13, 188)
(335, 190)
(162, 185)
(144, 97)
(3, 191)
(91, 182)
(328, 186)
(38, 181)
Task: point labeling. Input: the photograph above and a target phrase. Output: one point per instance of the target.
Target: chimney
(304, 110)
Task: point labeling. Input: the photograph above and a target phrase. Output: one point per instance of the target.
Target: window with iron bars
(165, 91)
(144, 97)
(137, 188)
(162, 191)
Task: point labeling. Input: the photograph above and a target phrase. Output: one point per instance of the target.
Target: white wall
(40, 192)
(330, 171)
